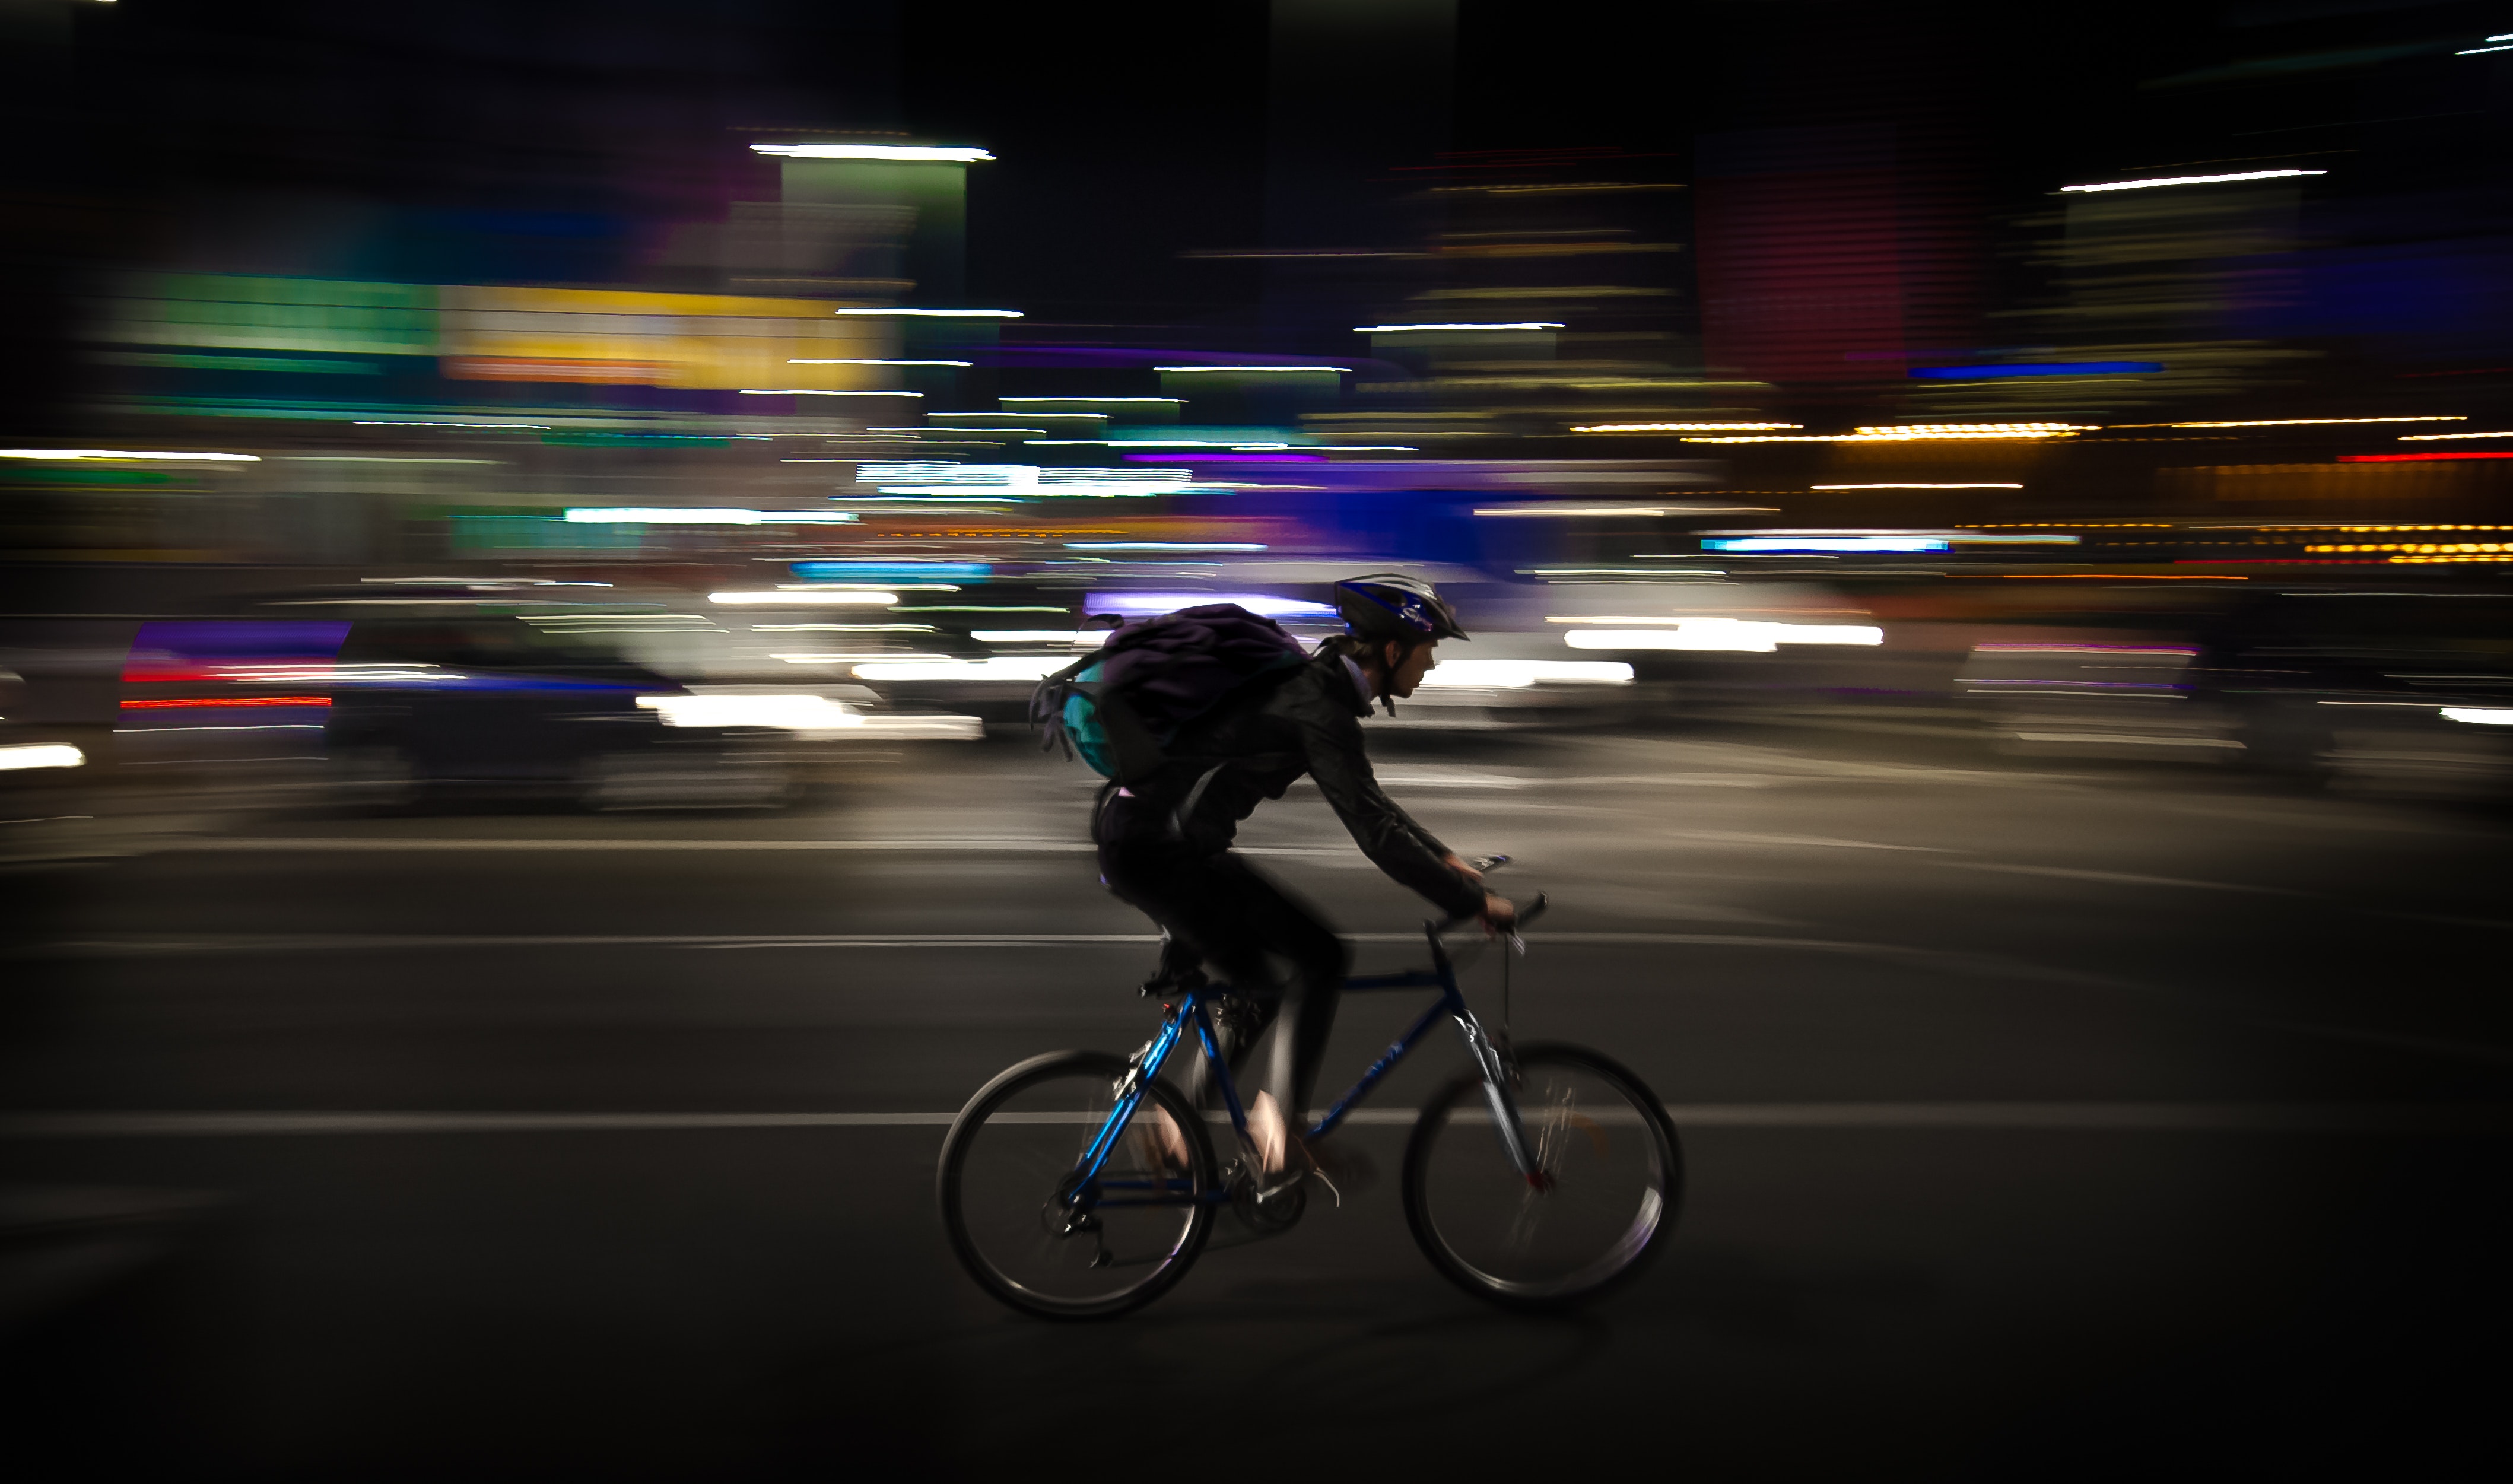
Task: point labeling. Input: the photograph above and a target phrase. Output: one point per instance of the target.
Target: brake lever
(1534, 910)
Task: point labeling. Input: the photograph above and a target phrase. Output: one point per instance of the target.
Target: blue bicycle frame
(1083, 1188)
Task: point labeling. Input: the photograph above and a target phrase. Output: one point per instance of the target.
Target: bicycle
(1060, 1203)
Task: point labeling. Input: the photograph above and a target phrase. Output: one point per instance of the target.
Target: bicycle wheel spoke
(1008, 1169)
(1606, 1178)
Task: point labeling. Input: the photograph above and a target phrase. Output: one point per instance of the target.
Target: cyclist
(1164, 846)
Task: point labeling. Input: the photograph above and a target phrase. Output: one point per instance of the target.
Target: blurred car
(2400, 691)
(480, 690)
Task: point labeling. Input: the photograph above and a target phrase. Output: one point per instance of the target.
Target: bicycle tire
(989, 1113)
(1457, 1175)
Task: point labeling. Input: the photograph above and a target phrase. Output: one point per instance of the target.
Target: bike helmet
(1388, 605)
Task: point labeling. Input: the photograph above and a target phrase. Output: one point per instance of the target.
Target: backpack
(1121, 707)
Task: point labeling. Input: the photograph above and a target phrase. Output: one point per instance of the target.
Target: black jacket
(1256, 744)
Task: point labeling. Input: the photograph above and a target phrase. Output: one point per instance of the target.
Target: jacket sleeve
(1385, 834)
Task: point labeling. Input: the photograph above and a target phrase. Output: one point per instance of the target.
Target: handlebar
(1526, 915)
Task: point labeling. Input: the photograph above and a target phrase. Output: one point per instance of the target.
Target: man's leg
(1201, 906)
(1291, 928)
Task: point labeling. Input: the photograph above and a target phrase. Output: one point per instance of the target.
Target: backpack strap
(1194, 796)
(1047, 705)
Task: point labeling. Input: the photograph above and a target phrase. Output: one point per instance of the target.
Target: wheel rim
(1017, 1159)
(1607, 1190)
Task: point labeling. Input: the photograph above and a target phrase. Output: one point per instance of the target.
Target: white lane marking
(414, 843)
(1817, 842)
(2121, 878)
(360, 942)
(2494, 1119)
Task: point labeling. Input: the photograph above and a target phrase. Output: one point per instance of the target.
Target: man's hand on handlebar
(1497, 915)
(1462, 867)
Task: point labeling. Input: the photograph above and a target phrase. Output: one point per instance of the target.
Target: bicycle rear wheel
(1613, 1179)
(1010, 1158)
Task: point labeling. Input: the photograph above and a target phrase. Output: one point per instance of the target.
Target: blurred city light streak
(26, 755)
(820, 598)
(677, 515)
(1244, 370)
(72, 454)
(2436, 437)
(1164, 546)
(2245, 175)
(814, 391)
(858, 572)
(1446, 328)
(1041, 635)
(2306, 422)
(1564, 512)
(2455, 456)
(1518, 674)
(956, 154)
(1020, 667)
(1151, 604)
(1685, 427)
(2480, 717)
(791, 713)
(1740, 635)
(186, 703)
(898, 313)
(850, 360)
(1824, 544)
(1975, 485)
(1550, 573)
(2011, 370)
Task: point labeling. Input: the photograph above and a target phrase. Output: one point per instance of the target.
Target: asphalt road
(2043, 1120)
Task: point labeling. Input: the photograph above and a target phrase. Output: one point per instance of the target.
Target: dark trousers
(1238, 919)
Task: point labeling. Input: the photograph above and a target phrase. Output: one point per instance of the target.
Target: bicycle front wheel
(1011, 1205)
(1610, 1182)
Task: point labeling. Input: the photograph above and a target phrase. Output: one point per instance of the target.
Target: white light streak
(2432, 437)
(1147, 604)
(683, 515)
(1518, 674)
(854, 628)
(40, 755)
(1028, 669)
(50, 453)
(1685, 427)
(1184, 370)
(805, 391)
(2480, 717)
(1041, 635)
(1568, 510)
(1735, 635)
(2245, 174)
(1164, 546)
(790, 714)
(2481, 51)
(1972, 430)
(1528, 324)
(949, 154)
(812, 599)
(850, 360)
(2322, 422)
(936, 313)
(1915, 487)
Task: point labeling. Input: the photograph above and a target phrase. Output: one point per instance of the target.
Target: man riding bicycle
(1163, 845)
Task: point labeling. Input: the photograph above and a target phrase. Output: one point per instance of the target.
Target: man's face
(1408, 670)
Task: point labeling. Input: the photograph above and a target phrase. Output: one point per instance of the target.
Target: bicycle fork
(1497, 1094)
